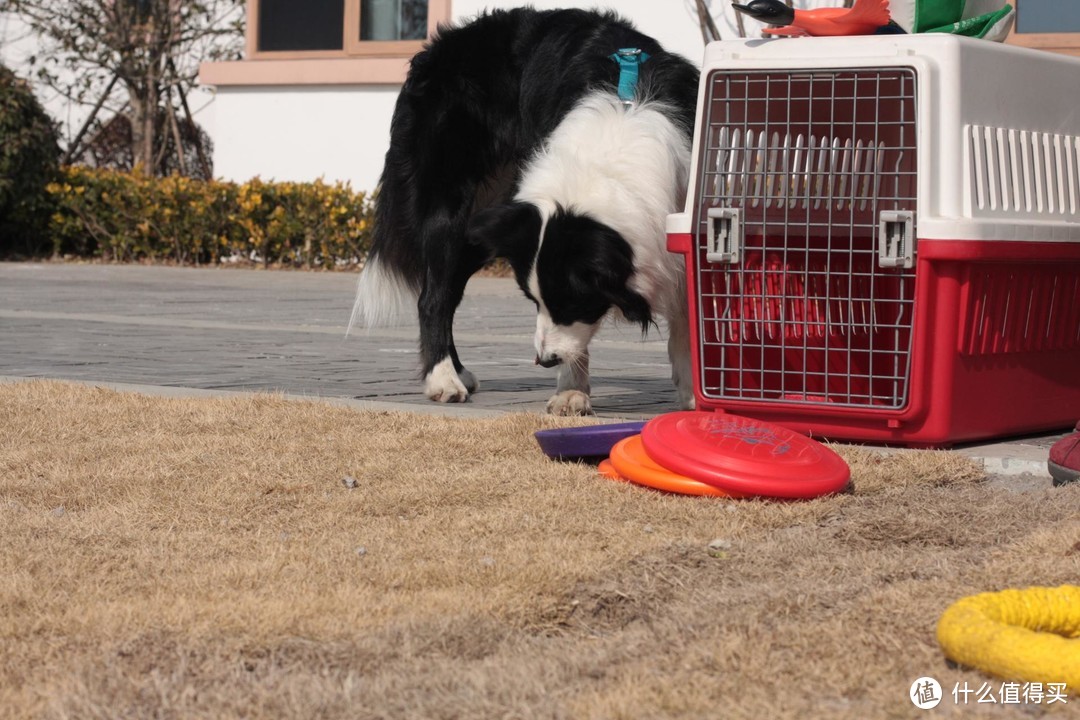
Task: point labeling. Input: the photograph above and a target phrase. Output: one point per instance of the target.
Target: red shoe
(1064, 463)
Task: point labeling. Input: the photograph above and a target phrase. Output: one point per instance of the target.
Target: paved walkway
(251, 330)
(188, 331)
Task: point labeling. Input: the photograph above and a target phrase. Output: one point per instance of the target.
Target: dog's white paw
(444, 385)
(570, 402)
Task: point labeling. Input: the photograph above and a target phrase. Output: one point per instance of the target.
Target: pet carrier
(882, 237)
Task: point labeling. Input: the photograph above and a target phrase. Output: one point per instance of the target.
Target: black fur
(478, 101)
(511, 231)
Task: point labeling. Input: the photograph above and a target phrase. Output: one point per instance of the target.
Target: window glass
(301, 24)
(1047, 16)
(393, 19)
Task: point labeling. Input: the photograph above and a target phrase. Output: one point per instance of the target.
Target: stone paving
(253, 330)
(193, 331)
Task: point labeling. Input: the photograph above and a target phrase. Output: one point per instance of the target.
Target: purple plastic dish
(589, 442)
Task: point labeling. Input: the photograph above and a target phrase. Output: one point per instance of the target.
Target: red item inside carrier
(870, 258)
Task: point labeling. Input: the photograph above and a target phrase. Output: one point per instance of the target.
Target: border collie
(509, 140)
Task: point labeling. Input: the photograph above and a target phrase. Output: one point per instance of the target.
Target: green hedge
(126, 217)
(29, 160)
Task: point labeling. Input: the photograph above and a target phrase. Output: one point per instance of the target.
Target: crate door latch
(724, 240)
(896, 239)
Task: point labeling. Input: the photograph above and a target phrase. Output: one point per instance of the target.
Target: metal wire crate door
(805, 219)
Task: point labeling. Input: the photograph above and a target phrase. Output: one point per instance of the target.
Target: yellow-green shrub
(125, 217)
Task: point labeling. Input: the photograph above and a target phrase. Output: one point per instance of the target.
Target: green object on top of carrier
(985, 19)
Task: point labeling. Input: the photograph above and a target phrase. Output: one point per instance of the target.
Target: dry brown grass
(202, 558)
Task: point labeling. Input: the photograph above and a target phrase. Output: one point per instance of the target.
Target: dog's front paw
(443, 384)
(570, 402)
(469, 380)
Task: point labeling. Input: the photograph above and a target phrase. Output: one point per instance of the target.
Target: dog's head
(574, 268)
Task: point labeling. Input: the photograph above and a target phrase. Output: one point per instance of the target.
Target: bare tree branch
(709, 31)
(73, 149)
(204, 163)
(151, 48)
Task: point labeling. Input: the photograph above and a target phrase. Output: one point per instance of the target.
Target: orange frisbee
(629, 460)
(608, 470)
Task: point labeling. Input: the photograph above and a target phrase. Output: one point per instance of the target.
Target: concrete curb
(1009, 459)
(169, 391)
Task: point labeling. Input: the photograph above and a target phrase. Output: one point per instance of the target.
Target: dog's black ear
(510, 231)
(611, 260)
(634, 307)
(595, 265)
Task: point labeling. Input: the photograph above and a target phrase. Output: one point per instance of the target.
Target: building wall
(340, 132)
(672, 22)
(306, 129)
(302, 133)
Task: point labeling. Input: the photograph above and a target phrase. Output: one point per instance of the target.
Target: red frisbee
(744, 456)
(630, 462)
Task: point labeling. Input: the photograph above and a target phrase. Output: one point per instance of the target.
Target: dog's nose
(548, 360)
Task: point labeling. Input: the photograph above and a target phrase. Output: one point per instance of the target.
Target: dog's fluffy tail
(383, 297)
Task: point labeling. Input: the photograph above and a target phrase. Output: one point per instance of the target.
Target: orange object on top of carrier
(882, 237)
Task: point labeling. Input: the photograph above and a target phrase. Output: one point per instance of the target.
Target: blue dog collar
(629, 60)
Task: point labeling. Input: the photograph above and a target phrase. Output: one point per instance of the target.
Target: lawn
(260, 557)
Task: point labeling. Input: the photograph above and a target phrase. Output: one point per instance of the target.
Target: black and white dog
(509, 140)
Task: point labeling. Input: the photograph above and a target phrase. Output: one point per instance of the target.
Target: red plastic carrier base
(992, 349)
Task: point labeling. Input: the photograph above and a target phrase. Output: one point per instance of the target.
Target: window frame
(351, 44)
(1065, 43)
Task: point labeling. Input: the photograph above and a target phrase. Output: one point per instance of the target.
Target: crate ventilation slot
(800, 171)
(1022, 171)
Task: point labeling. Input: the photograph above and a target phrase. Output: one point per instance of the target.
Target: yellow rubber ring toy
(1031, 635)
